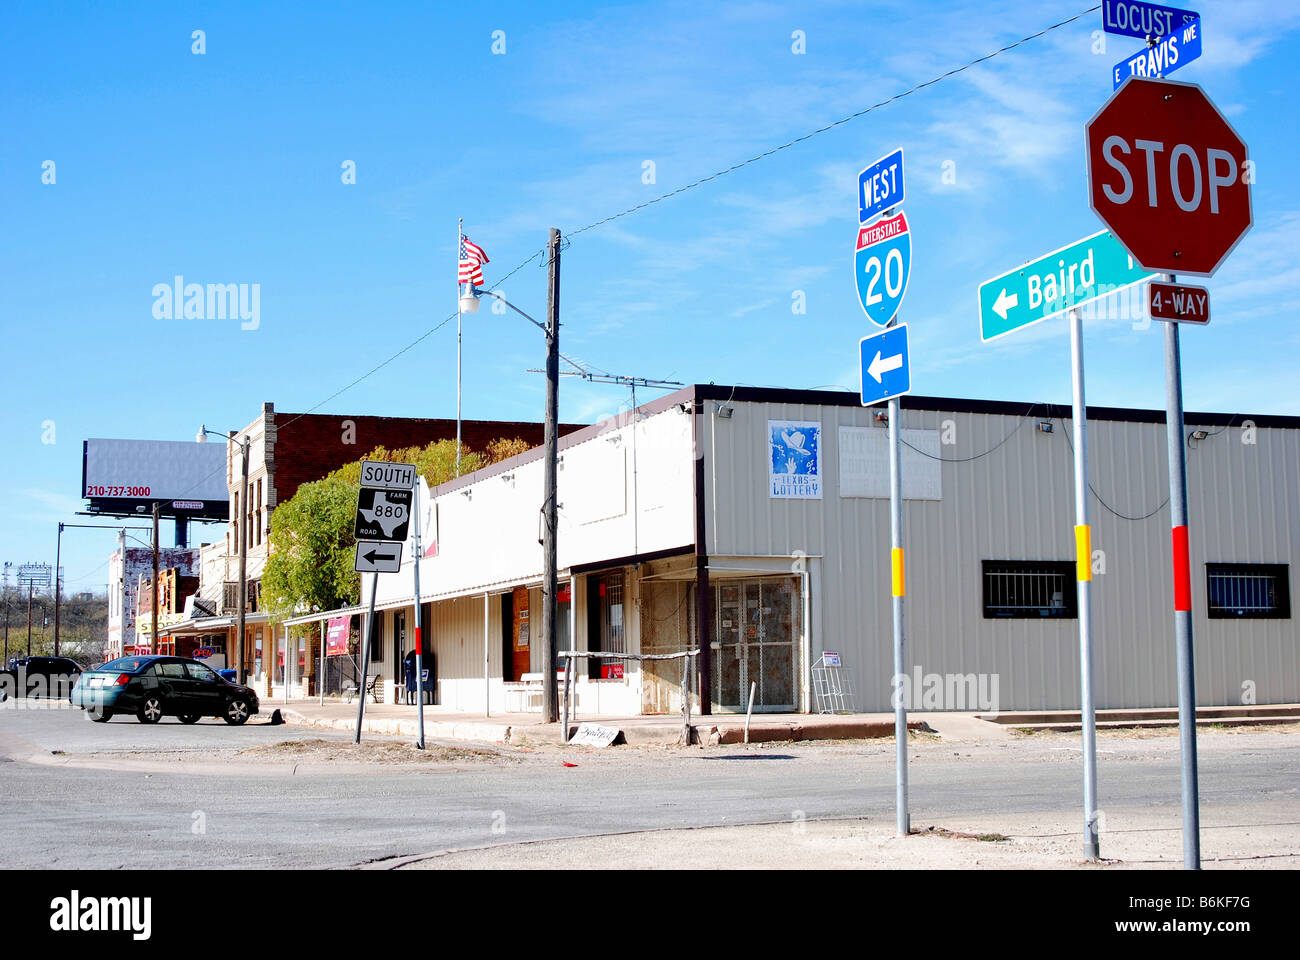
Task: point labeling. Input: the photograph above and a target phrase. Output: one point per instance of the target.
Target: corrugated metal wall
(1016, 503)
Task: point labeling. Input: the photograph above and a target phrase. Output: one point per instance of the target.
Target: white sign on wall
(864, 463)
(794, 459)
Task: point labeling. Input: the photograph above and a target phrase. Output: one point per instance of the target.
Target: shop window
(1248, 591)
(606, 624)
(1033, 589)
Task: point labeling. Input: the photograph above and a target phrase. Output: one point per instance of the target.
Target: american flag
(472, 259)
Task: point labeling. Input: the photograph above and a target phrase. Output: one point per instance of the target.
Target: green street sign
(1093, 267)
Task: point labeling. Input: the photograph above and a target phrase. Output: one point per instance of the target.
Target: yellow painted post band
(1083, 552)
(897, 564)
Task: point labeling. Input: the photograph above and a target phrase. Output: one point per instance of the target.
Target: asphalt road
(101, 801)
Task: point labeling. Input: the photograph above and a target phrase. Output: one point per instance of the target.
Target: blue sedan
(157, 687)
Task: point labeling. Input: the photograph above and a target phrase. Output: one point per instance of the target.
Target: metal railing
(685, 656)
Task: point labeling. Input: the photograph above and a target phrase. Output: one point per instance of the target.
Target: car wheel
(150, 711)
(189, 718)
(236, 712)
(99, 714)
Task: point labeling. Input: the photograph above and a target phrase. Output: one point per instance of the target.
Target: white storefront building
(753, 524)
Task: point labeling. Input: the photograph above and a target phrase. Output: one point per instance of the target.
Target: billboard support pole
(155, 645)
(1174, 439)
(58, 554)
(1083, 575)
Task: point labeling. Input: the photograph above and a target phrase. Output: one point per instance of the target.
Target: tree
(311, 543)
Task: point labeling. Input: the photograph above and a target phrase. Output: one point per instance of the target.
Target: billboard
(126, 478)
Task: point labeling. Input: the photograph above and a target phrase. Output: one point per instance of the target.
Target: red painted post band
(1182, 570)
(419, 647)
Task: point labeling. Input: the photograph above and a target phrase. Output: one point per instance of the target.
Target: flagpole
(460, 237)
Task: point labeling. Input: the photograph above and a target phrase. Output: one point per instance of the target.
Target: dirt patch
(1154, 733)
(315, 750)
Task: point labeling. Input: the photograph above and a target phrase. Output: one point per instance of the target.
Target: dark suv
(157, 687)
(38, 677)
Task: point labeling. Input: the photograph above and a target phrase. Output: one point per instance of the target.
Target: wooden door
(521, 649)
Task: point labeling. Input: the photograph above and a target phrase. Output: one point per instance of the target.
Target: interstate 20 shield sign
(882, 265)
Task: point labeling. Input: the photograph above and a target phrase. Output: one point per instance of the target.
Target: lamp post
(241, 528)
(468, 303)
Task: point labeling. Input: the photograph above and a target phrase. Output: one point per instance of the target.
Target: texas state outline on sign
(388, 520)
(383, 514)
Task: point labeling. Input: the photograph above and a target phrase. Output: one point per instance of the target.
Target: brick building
(287, 450)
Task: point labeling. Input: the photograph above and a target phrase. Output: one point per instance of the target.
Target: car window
(199, 672)
(125, 664)
(171, 670)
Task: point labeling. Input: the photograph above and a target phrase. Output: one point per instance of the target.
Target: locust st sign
(1129, 18)
(1093, 267)
(886, 370)
(1169, 175)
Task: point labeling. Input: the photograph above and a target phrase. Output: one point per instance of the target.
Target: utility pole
(549, 509)
(58, 553)
(4, 664)
(156, 646)
(31, 588)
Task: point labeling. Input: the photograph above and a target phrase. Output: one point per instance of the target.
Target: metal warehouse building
(754, 524)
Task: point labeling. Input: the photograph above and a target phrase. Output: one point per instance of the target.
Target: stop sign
(1167, 173)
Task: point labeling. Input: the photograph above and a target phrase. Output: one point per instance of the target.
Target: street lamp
(469, 295)
(242, 527)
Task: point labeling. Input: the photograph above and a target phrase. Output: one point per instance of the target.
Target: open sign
(202, 653)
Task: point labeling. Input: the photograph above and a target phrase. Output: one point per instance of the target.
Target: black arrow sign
(372, 556)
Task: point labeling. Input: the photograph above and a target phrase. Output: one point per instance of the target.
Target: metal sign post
(882, 267)
(1175, 440)
(419, 622)
(896, 579)
(383, 517)
(365, 656)
(1083, 575)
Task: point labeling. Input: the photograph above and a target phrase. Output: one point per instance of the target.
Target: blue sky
(226, 167)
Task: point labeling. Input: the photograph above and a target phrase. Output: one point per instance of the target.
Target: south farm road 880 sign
(794, 459)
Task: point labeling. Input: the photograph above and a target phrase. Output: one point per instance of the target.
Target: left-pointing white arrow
(1004, 302)
(879, 366)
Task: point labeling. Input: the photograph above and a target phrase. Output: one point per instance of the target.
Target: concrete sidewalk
(440, 723)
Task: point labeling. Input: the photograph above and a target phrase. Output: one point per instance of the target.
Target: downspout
(703, 599)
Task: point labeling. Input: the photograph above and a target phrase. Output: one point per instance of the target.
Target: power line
(1093, 490)
(830, 126)
(714, 176)
(1024, 418)
(690, 186)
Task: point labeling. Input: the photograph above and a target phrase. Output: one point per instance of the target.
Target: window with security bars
(1243, 591)
(1030, 589)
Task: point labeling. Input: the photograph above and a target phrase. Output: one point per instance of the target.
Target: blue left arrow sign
(886, 368)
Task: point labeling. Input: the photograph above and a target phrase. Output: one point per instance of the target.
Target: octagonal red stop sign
(1167, 173)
